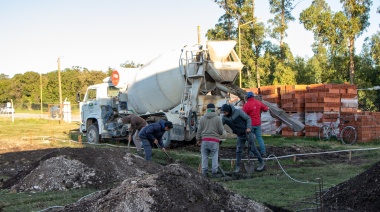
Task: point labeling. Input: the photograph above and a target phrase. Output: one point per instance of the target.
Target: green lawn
(289, 183)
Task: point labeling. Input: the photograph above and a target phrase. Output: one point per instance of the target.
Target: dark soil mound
(60, 169)
(361, 193)
(174, 188)
(137, 184)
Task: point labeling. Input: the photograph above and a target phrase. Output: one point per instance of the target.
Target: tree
(218, 33)
(4, 76)
(235, 11)
(338, 30)
(5, 87)
(258, 40)
(282, 16)
(70, 84)
(25, 88)
(269, 62)
(327, 45)
(357, 15)
(374, 45)
(368, 74)
(283, 75)
(238, 12)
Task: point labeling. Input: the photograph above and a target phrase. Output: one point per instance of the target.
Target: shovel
(171, 160)
(219, 166)
(129, 143)
(249, 168)
(221, 170)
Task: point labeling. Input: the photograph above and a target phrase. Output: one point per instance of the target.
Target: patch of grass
(295, 188)
(12, 201)
(35, 127)
(292, 185)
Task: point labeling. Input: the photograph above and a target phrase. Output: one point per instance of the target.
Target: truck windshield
(112, 91)
(91, 95)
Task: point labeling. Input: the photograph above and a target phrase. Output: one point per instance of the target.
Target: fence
(46, 107)
(369, 99)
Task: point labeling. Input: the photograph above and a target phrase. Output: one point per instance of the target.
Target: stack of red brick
(310, 104)
(366, 123)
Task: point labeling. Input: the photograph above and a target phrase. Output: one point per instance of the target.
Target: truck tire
(93, 134)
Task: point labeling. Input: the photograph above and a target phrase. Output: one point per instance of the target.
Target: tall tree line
(269, 62)
(25, 89)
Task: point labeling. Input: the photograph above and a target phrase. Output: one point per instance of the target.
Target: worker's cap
(169, 124)
(211, 105)
(225, 108)
(250, 94)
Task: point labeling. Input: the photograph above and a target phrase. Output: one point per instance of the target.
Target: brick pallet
(315, 100)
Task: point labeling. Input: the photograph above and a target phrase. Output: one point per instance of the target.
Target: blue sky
(101, 34)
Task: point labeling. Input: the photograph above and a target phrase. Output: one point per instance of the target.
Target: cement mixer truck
(175, 86)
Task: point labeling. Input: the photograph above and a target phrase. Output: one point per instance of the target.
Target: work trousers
(256, 130)
(209, 149)
(147, 148)
(241, 139)
(137, 140)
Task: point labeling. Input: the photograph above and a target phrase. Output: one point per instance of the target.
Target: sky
(101, 34)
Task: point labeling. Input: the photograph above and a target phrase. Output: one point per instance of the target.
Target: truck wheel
(93, 134)
(166, 139)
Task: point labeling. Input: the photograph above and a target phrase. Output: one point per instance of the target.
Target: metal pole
(13, 112)
(199, 34)
(60, 89)
(41, 93)
(239, 58)
(240, 49)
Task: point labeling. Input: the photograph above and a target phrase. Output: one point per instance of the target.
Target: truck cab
(98, 108)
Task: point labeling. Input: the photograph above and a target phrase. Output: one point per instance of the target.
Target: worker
(137, 123)
(210, 129)
(240, 124)
(152, 134)
(253, 109)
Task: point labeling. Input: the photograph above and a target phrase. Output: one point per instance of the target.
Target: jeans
(147, 148)
(240, 145)
(209, 149)
(257, 132)
(137, 140)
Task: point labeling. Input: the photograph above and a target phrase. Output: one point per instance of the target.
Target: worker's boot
(237, 170)
(140, 153)
(215, 175)
(261, 166)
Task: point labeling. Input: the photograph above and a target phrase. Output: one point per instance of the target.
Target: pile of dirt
(130, 182)
(61, 169)
(147, 186)
(360, 193)
(57, 173)
(174, 188)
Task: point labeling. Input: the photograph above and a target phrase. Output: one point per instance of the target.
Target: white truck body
(175, 86)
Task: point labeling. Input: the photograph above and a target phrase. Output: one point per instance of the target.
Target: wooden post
(349, 155)
(233, 163)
